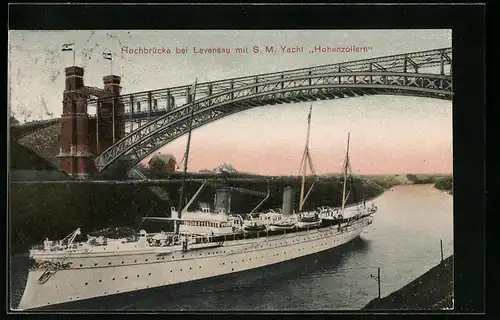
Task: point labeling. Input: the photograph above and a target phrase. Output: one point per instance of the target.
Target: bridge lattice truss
(163, 121)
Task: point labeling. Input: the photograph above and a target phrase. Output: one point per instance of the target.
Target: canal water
(404, 241)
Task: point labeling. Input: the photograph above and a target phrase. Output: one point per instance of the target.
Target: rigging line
(311, 166)
(301, 164)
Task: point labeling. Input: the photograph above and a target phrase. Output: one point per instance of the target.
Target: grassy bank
(431, 291)
(23, 158)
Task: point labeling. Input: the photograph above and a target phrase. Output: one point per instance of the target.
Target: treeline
(445, 184)
(420, 180)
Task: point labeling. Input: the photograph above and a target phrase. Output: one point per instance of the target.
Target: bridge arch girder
(157, 133)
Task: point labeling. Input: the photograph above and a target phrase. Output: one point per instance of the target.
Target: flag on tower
(107, 55)
(68, 47)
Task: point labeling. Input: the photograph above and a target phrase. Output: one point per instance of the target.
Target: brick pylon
(111, 111)
(76, 156)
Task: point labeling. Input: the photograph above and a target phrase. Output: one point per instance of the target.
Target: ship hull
(97, 276)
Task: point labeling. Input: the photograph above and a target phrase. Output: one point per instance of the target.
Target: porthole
(86, 283)
(113, 278)
(199, 267)
(135, 260)
(100, 280)
(137, 276)
(157, 259)
(126, 277)
(146, 260)
(95, 264)
(170, 270)
(109, 263)
(123, 262)
(81, 265)
(182, 256)
(190, 268)
(150, 273)
(163, 258)
(181, 269)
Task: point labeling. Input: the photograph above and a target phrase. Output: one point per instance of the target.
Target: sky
(389, 134)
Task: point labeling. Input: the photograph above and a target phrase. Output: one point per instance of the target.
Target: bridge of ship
(155, 118)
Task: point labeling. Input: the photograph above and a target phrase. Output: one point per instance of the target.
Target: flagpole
(111, 67)
(74, 54)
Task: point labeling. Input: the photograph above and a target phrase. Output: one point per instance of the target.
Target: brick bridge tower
(76, 156)
(111, 114)
(82, 137)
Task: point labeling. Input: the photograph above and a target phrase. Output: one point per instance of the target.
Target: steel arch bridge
(159, 125)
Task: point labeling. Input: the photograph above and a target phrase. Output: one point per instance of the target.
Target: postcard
(231, 170)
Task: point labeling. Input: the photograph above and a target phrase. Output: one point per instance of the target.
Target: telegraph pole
(377, 277)
(442, 258)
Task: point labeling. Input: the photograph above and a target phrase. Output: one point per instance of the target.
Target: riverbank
(431, 291)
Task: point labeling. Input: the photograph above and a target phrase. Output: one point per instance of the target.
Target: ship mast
(306, 159)
(346, 164)
(186, 156)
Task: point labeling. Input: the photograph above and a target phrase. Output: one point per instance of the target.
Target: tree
(157, 166)
(13, 120)
(413, 178)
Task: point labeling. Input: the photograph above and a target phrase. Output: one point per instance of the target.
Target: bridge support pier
(75, 156)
